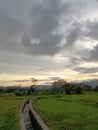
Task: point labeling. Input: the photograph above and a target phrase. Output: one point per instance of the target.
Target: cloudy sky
(48, 40)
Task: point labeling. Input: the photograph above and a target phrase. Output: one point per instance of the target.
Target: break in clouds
(50, 27)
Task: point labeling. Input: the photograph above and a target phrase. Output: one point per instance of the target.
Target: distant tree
(57, 86)
(66, 88)
(96, 88)
(18, 93)
(86, 87)
(28, 92)
(1, 89)
(34, 81)
(68, 91)
(78, 90)
(59, 83)
(32, 88)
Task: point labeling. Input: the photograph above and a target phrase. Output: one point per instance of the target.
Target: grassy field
(9, 112)
(61, 112)
(69, 112)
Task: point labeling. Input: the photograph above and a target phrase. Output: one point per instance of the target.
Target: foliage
(59, 83)
(18, 90)
(62, 86)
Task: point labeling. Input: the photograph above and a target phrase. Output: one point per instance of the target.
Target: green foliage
(17, 90)
(62, 86)
(22, 92)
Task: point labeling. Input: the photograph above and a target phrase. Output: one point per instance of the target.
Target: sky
(48, 40)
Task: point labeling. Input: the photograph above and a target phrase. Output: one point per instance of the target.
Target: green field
(60, 112)
(69, 112)
(9, 112)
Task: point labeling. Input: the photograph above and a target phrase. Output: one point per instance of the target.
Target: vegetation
(58, 87)
(9, 112)
(64, 106)
(73, 112)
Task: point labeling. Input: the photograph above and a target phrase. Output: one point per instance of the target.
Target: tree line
(57, 87)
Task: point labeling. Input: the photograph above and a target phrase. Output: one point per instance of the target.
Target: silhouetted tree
(78, 90)
(68, 91)
(32, 88)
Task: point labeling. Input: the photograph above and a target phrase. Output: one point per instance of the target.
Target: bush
(18, 93)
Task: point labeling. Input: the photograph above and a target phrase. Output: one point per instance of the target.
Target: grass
(60, 112)
(69, 112)
(9, 112)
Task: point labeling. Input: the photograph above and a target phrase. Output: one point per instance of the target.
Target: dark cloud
(89, 30)
(45, 20)
(45, 17)
(93, 55)
(75, 33)
(9, 26)
(92, 33)
(79, 31)
(9, 29)
(45, 28)
(73, 62)
(12, 25)
(33, 27)
(85, 70)
(92, 29)
(48, 45)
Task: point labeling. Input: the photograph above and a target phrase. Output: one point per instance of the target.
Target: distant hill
(93, 82)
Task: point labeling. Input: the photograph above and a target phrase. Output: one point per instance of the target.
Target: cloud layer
(39, 28)
(49, 35)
